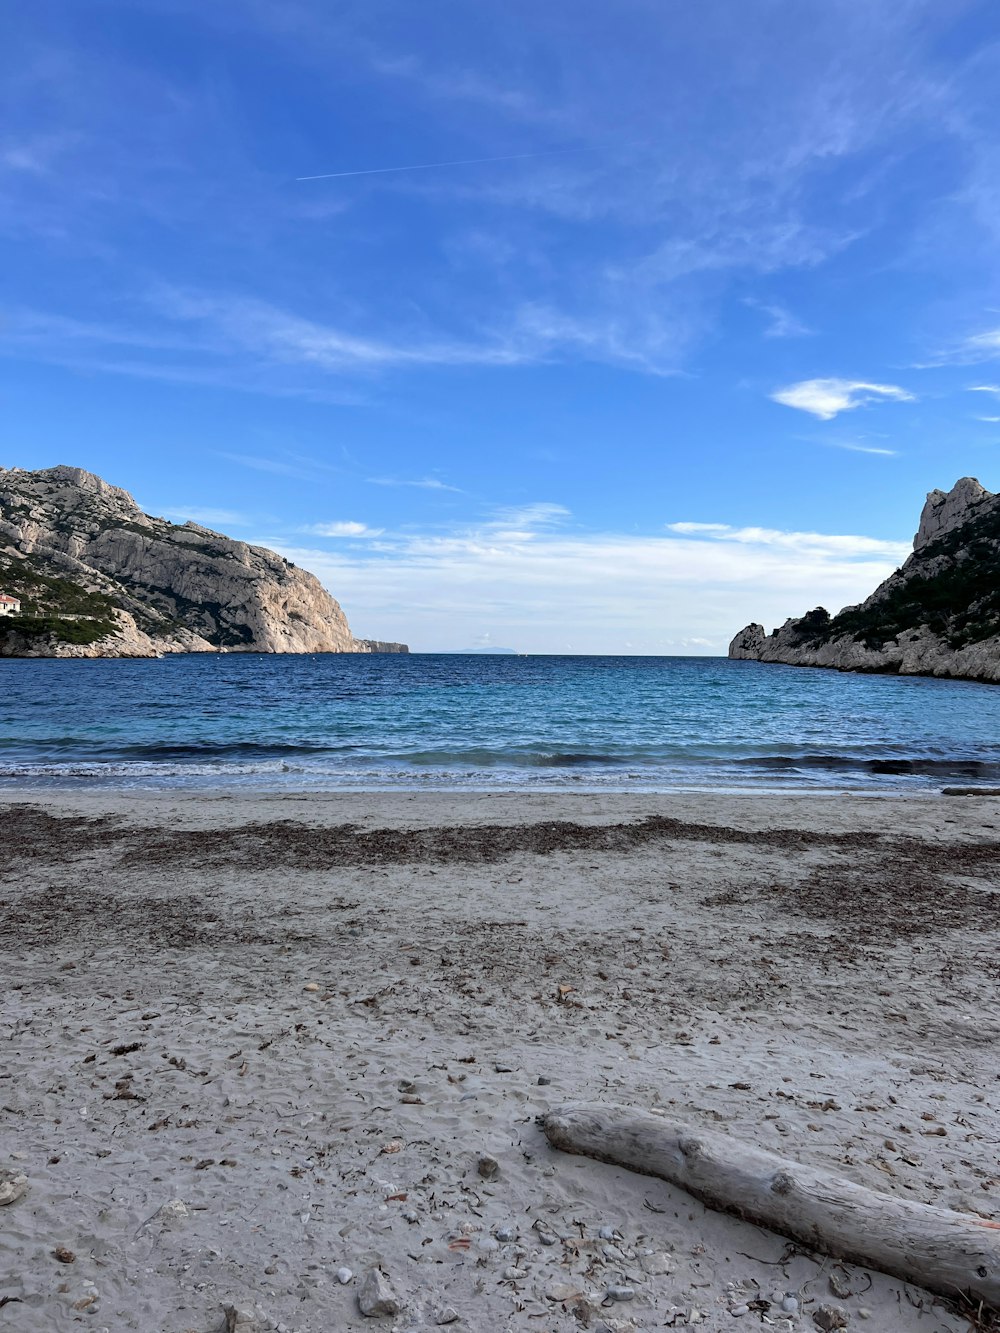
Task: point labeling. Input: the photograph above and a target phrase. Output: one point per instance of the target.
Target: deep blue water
(443, 721)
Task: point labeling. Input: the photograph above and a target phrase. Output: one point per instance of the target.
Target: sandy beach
(253, 1042)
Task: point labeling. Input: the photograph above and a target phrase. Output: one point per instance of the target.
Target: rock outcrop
(99, 578)
(938, 615)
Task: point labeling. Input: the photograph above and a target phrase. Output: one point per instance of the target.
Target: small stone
(239, 1319)
(376, 1297)
(543, 1080)
(411, 1217)
(828, 1317)
(607, 1233)
(505, 1235)
(738, 1310)
(620, 1294)
(63, 1255)
(311, 985)
(488, 1167)
(864, 1313)
(839, 1287)
(344, 1276)
(561, 1292)
(790, 1303)
(514, 1274)
(446, 1315)
(657, 1264)
(12, 1187)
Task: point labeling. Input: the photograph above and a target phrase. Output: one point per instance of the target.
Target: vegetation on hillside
(65, 631)
(951, 586)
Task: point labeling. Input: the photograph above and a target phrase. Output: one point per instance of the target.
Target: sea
(440, 722)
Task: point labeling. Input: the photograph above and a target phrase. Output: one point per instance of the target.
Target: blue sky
(689, 355)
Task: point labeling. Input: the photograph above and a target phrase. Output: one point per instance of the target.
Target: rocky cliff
(938, 615)
(99, 578)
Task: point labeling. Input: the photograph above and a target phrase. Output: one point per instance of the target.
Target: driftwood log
(947, 1252)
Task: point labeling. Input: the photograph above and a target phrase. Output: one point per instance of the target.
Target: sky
(545, 326)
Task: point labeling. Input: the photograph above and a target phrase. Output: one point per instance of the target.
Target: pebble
(620, 1294)
(513, 1273)
(790, 1303)
(376, 1297)
(446, 1315)
(607, 1233)
(12, 1187)
(543, 1080)
(505, 1235)
(657, 1264)
(344, 1275)
(488, 1166)
(829, 1317)
(839, 1287)
(562, 1292)
(63, 1255)
(737, 1310)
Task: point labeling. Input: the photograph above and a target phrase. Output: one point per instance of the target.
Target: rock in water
(937, 615)
(102, 579)
(376, 1297)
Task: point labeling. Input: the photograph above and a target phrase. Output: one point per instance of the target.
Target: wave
(888, 766)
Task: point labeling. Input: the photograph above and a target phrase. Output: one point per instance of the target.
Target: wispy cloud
(815, 543)
(983, 346)
(343, 528)
(855, 448)
(279, 467)
(825, 398)
(985, 388)
(421, 483)
(781, 322)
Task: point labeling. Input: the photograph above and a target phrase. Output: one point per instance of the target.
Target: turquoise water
(481, 722)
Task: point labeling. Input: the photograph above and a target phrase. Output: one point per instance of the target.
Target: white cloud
(816, 543)
(824, 398)
(343, 528)
(985, 388)
(862, 448)
(983, 346)
(990, 421)
(539, 589)
(421, 483)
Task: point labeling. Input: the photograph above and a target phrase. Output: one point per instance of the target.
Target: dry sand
(250, 1041)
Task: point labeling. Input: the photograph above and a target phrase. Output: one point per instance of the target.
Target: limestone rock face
(71, 544)
(938, 615)
(946, 510)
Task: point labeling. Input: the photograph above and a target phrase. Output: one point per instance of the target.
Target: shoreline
(289, 1011)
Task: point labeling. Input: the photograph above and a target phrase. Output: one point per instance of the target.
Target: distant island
(85, 573)
(938, 615)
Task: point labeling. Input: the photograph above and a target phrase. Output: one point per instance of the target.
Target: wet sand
(253, 1040)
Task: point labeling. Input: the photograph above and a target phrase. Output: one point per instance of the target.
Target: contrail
(427, 166)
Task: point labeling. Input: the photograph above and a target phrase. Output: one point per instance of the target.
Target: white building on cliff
(9, 606)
